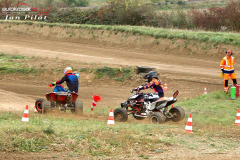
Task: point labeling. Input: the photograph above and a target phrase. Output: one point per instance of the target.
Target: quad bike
(142, 105)
(61, 101)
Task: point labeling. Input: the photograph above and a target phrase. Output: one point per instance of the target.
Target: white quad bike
(149, 105)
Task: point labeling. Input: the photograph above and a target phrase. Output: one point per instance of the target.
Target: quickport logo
(23, 11)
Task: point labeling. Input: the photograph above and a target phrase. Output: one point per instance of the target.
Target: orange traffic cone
(172, 106)
(35, 110)
(188, 127)
(165, 87)
(25, 117)
(237, 121)
(111, 118)
(205, 90)
(96, 99)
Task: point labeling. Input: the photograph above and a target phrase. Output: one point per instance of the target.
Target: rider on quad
(71, 80)
(153, 82)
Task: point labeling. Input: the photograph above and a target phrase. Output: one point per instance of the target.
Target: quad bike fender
(152, 106)
(165, 99)
(161, 103)
(124, 104)
(158, 105)
(62, 96)
(164, 102)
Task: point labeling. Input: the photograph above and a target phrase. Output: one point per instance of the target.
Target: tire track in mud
(11, 101)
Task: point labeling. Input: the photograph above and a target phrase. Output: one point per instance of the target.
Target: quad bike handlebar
(136, 89)
(50, 85)
(53, 84)
(175, 94)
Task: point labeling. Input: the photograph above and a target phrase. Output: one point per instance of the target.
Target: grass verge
(201, 36)
(14, 63)
(119, 74)
(97, 2)
(213, 118)
(216, 108)
(11, 63)
(184, 5)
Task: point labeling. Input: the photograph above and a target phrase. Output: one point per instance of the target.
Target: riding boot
(234, 82)
(226, 86)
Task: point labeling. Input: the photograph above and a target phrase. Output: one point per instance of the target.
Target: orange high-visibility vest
(227, 64)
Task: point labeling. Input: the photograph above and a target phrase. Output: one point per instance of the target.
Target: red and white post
(96, 99)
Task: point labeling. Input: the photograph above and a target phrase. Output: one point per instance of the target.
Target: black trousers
(234, 82)
(160, 94)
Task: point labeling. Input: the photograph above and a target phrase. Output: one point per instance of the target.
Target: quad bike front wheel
(38, 105)
(78, 105)
(120, 115)
(46, 106)
(157, 118)
(178, 113)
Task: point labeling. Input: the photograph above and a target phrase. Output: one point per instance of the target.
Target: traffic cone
(25, 117)
(111, 118)
(237, 121)
(35, 110)
(205, 90)
(165, 87)
(96, 99)
(188, 127)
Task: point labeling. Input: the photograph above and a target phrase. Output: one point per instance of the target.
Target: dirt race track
(189, 75)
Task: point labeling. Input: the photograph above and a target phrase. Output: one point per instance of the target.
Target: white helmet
(67, 70)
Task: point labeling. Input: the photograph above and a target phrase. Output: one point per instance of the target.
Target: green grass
(119, 74)
(5, 56)
(83, 70)
(201, 36)
(97, 2)
(172, 5)
(104, 2)
(9, 64)
(213, 109)
(213, 118)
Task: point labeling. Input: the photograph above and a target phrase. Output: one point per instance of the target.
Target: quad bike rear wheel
(120, 115)
(38, 105)
(78, 105)
(178, 113)
(46, 106)
(157, 118)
